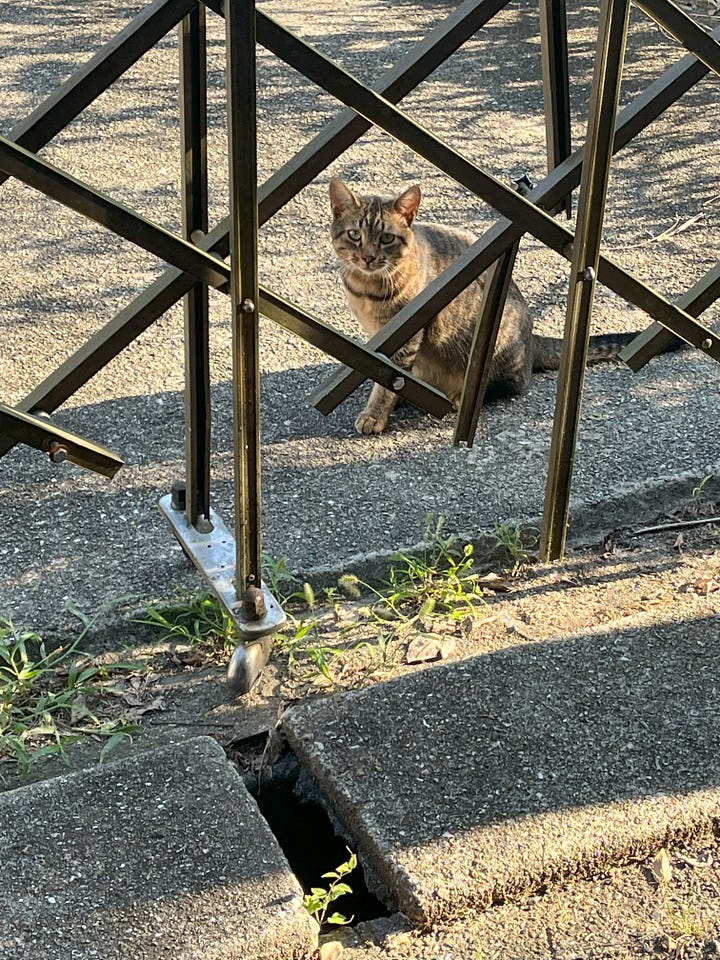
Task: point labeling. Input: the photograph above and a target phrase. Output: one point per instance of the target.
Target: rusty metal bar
(97, 206)
(556, 89)
(60, 444)
(244, 294)
(605, 93)
(193, 145)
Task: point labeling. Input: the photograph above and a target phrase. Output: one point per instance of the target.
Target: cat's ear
(342, 198)
(407, 203)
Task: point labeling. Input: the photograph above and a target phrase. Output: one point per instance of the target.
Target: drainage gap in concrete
(308, 840)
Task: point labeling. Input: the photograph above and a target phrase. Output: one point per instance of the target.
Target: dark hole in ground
(308, 840)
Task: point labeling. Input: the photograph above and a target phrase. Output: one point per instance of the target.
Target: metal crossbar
(58, 443)
(196, 257)
(498, 239)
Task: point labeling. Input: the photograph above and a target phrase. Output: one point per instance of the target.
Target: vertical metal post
(556, 88)
(242, 152)
(586, 253)
(193, 138)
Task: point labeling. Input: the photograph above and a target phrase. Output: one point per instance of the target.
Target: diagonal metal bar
(61, 444)
(651, 341)
(396, 83)
(340, 83)
(685, 30)
(604, 97)
(674, 82)
(348, 351)
(73, 193)
(100, 72)
(113, 337)
(487, 328)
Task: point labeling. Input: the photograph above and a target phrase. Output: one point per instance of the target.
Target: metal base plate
(213, 554)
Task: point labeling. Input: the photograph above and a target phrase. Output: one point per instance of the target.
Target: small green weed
(697, 491)
(44, 698)
(277, 577)
(317, 902)
(303, 641)
(442, 580)
(699, 505)
(198, 620)
(514, 542)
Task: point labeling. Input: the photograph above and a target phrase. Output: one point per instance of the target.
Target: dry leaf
(491, 581)
(680, 540)
(660, 867)
(429, 647)
(156, 704)
(705, 586)
(78, 711)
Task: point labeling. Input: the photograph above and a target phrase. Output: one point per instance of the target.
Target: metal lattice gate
(232, 561)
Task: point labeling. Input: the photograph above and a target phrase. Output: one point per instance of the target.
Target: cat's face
(372, 235)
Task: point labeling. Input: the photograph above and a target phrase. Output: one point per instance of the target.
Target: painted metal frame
(197, 256)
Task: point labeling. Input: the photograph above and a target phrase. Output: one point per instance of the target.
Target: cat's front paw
(367, 423)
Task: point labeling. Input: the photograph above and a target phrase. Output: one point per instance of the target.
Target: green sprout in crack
(318, 901)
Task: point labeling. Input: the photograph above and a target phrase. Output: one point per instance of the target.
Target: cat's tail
(603, 346)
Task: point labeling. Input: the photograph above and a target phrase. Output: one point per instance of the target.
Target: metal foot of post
(247, 663)
(256, 614)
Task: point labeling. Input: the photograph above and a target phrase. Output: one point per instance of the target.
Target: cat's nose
(369, 260)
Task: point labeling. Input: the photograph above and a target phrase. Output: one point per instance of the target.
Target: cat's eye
(354, 235)
(387, 238)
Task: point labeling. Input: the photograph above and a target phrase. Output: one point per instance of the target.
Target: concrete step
(160, 855)
(483, 780)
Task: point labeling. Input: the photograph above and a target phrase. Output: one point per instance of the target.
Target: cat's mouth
(371, 267)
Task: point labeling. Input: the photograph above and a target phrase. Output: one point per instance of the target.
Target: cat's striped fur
(387, 258)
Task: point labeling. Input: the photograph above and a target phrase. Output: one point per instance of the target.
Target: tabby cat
(387, 258)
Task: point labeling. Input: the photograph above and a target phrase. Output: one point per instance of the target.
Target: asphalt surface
(331, 499)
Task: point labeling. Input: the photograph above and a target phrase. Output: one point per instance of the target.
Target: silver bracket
(213, 553)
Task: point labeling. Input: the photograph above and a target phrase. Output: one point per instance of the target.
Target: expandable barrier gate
(232, 563)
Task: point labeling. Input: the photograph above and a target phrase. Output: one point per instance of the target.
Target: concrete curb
(162, 854)
(468, 784)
